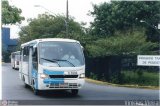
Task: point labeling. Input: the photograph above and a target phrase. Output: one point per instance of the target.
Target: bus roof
(49, 39)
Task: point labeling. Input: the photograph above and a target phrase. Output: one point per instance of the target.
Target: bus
(15, 59)
(52, 63)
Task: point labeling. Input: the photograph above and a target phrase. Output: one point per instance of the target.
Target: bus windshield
(60, 54)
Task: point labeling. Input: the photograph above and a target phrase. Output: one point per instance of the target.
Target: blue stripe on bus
(48, 72)
(53, 81)
(35, 76)
(34, 73)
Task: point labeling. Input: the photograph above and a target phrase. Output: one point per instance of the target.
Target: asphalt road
(13, 89)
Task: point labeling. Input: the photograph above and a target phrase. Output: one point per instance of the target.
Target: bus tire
(35, 91)
(74, 91)
(14, 66)
(26, 85)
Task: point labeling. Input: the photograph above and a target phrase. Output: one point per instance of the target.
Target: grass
(121, 85)
(131, 78)
(140, 77)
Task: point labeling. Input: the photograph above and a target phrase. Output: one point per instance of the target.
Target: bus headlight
(43, 76)
(82, 75)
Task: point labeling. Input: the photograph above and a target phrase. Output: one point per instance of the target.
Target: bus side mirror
(82, 48)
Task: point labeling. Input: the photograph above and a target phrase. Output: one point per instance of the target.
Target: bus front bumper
(50, 84)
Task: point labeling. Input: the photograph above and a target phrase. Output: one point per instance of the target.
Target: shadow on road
(59, 94)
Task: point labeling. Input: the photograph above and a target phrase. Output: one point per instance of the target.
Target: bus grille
(63, 76)
(65, 85)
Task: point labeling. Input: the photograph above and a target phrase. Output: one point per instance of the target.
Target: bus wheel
(35, 91)
(74, 91)
(25, 85)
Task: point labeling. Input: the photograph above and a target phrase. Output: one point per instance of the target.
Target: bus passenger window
(26, 54)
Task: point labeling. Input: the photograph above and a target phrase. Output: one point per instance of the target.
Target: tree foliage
(49, 26)
(131, 43)
(124, 15)
(10, 14)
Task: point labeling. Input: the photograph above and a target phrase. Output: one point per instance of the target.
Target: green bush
(93, 76)
(115, 79)
(140, 77)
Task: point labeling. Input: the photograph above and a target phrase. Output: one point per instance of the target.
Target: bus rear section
(50, 64)
(15, 60)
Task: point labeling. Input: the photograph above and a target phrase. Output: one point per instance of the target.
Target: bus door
(25, 64)
(30, 66)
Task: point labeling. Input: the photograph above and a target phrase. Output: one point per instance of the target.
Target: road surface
(13, 89)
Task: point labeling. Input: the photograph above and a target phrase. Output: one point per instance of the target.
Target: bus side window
(35, 59)
(26, 54)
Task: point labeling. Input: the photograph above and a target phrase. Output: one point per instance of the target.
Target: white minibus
(15, 59)
(52, 63)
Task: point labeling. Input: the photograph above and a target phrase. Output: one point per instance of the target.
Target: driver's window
(35, 59)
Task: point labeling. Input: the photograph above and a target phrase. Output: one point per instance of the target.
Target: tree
(49, 26)
(125, 15)
(123, 44)
(10, 14)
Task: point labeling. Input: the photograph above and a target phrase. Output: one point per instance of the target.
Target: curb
(118, 85)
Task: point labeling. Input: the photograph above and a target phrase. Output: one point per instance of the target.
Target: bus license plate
(63, 85)
(72, 73)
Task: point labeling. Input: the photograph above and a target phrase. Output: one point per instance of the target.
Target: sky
(77, 9)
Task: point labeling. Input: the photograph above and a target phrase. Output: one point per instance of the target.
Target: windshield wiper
(64, 60)
(55, 61)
